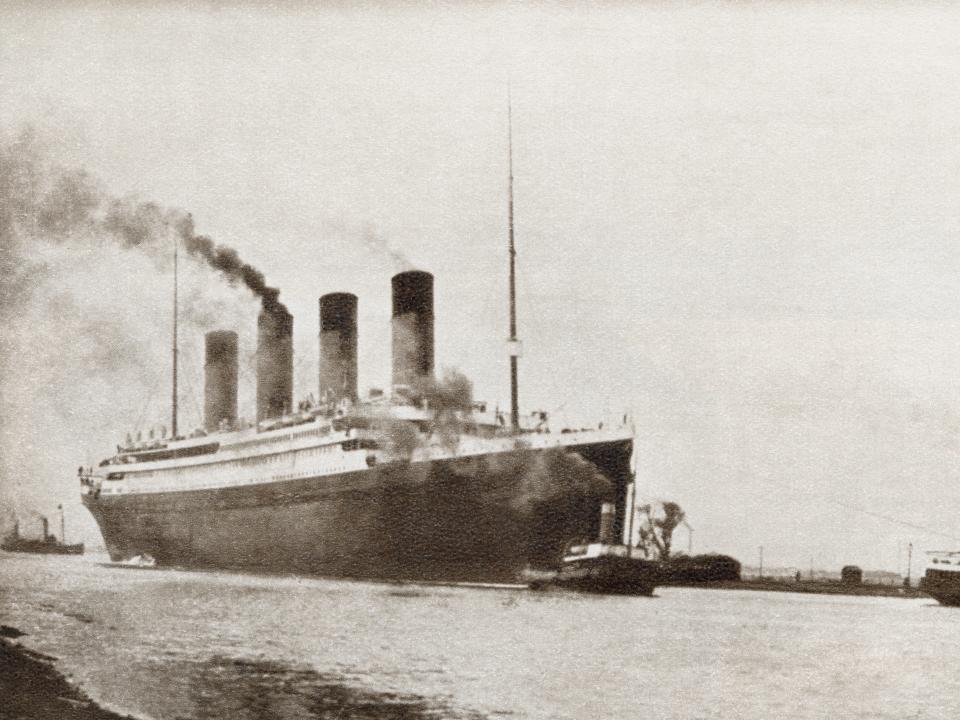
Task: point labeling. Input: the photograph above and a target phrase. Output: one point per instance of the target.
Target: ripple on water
(178, 646)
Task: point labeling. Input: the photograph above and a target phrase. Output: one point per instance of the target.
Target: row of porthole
(259, 460)
(249, 480)
(292, 476)
(209, 486)
(261, 441)
(229, 464)
(433, 452)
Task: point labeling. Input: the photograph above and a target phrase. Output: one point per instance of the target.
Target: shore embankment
(32, 688)
(818, 587)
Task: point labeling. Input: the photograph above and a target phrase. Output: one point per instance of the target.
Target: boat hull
(606, 575)
(474, 519)
(41, 547)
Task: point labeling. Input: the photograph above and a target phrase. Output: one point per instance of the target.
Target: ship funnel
(338, 347)
(274, 363)
(608, 513)
(46, 527)
(220, 379)
(412, 326)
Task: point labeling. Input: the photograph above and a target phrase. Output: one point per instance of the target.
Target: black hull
(609, 576)
(474, 519)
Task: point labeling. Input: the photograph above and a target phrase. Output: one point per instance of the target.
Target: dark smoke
(40, 202)
(69, 206)
(449, 396)
(553, 475)
(558, 499)
(450, 402)
(134, 224)
(227, 261)
(400, 437)
(84, 320)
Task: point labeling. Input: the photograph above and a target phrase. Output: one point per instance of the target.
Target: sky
(737, 221)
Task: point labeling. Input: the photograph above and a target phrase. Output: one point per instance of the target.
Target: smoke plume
(44, 203)
(378, 245)
(450, 402)
(85, 313)
(553, 475)
(226, 260)
(399, 437)
(558, 498)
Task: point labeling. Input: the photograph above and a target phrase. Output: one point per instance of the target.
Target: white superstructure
(309, 447)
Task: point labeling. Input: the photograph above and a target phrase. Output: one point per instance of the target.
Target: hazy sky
(738, 220)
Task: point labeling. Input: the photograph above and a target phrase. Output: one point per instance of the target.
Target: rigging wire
(301, 366)
(148, 404)
(190, 378)
(247, 375)
(830, 500)
(895, 521)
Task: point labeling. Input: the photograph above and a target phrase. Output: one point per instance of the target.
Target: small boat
(48, 545)
(941, 580)
(601, 567)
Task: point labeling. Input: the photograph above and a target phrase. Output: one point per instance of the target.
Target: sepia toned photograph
(479, 360)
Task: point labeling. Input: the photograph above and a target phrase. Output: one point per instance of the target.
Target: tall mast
(514, 344)
(173, 421)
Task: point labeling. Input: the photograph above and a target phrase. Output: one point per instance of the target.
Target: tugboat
(49, 545)
(603, 566)
(941, 580)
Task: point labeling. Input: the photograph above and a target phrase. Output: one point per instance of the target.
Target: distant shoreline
(816, 587)
(33, 689)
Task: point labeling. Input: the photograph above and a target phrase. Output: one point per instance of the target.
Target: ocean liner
(397, 486)
(381, 488)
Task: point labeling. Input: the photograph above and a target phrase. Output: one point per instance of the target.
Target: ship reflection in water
(184, 645)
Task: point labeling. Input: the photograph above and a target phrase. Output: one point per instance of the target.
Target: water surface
(172, 644)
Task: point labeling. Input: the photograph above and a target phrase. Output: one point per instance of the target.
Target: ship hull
(475, 519)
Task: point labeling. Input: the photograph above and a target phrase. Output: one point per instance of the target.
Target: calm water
(176, 644)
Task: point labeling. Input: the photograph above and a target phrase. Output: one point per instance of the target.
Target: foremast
(514, 343)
